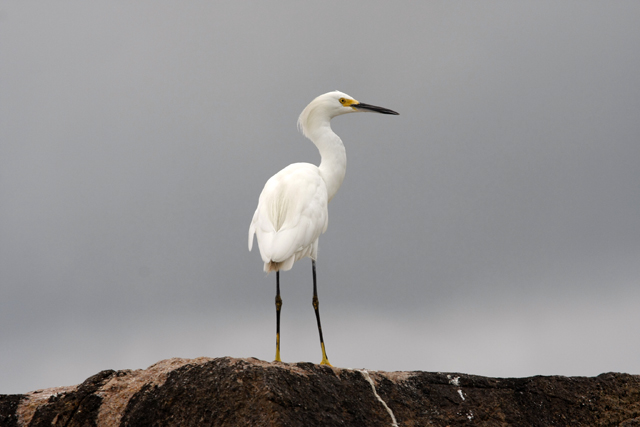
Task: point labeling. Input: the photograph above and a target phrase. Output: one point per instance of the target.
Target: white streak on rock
(366, 376)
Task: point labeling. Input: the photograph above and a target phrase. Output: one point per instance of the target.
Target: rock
(250, 392)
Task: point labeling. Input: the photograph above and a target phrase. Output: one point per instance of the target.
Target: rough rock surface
(250, 392)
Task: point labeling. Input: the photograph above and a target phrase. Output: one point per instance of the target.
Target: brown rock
(250, 392)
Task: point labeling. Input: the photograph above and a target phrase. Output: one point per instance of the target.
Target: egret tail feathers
(283, 265)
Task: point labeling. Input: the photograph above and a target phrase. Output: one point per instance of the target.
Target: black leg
(325, 360)
(278, 307)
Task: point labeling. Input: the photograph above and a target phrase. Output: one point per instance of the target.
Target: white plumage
(292, 213)
(292, 210)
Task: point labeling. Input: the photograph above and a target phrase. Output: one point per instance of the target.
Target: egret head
(332, 104)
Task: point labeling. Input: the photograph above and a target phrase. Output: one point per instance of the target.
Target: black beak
(367, 107)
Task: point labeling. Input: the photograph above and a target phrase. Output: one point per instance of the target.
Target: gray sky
(492, 228)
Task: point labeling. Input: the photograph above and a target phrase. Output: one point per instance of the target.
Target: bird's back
(292, 213)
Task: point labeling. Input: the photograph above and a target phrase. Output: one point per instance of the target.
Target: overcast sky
(492, 228)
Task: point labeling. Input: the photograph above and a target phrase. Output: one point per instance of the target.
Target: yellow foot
(326, 362)
(325, 359)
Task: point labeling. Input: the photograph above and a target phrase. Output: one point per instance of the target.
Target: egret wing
(292, 213)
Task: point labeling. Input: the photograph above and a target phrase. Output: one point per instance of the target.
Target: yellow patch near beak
(349, 102)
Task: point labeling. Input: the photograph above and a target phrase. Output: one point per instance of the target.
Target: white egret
(292, 209)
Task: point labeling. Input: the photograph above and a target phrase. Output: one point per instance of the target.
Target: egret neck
(333, 165)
